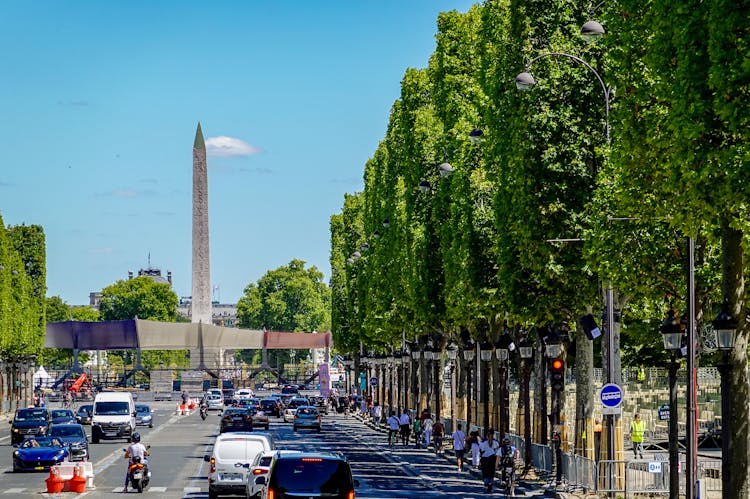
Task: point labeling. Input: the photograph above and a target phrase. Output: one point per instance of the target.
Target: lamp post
(437, 356)
(503, 347)
(725, 326)
(416, 354)
(485, 354)
(452, 351)
(526, 352)
(525, 81)
(672, 335)
(469, 358)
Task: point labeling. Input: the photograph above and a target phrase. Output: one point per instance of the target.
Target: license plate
(137, 475)
(231, 476)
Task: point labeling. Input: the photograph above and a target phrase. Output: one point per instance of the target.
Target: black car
(290, 389)
(75, 437)
(83, 416)
(62, 416)
(33, 421)
(271, 406)
(297, 402)
(236, 419)
(310, 475)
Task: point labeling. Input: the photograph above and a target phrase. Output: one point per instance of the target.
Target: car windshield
(85, 409)
(297, 402)
(233, 411)
(112, 408)
(313, 475)
(31, 415)
(67, 431)
(62, 413)
(41, 442)
(307, 411)
(142, 408)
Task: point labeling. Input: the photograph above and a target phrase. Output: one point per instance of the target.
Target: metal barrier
(579, 471)
(541, 457)
(611, 476)
(709, 474)
(643, 476)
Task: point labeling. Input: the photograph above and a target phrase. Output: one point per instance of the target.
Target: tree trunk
(733, 285)
(540, 393)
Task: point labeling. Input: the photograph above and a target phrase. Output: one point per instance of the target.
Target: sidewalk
(525, 487)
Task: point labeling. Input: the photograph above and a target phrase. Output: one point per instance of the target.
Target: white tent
(42, 379)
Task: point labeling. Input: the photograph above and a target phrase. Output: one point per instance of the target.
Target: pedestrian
(475, 455)
(405, 424)
(427, 430)
(438, 433)
(393, 427)
(377, 413)
(488, 461)
(184, 398)
(417, 427)
(459, 446)
(597, 439)
(636, 436)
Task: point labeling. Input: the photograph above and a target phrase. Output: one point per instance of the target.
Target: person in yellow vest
(640, 376)
(636, 436)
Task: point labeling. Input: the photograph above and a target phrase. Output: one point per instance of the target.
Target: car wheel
(212, 494)
(318, 430)
(295, 428)
(151, 425)
(266, 427)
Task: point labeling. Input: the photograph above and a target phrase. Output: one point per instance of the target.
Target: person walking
(459, 446)
(405, 425)
(636, 436)
(488, 461)
(474, 448)
(427, 430)
(393, 427)
(417, 428)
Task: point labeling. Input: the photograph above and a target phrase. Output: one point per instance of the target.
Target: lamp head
(592, 31)
(524, 81)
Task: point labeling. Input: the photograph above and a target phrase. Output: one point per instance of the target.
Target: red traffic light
(557, 365)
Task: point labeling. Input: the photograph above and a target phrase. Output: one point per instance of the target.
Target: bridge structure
(207, 343)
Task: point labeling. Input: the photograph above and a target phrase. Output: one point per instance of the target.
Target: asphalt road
(178, 444)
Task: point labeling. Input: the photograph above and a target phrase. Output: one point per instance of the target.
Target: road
(178, 444)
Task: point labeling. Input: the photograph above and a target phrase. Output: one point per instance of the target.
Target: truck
(161, 384)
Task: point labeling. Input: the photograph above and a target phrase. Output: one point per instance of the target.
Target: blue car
(39, 454)
(144, 416)
(62, 416)
(72, 435)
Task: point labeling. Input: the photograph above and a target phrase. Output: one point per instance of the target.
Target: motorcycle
(204, 412)
(139, 474)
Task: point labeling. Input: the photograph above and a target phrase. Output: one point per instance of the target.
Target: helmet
(135, 437)
(506, 441)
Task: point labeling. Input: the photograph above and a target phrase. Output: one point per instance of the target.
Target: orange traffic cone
(78, 482)
(55, 484)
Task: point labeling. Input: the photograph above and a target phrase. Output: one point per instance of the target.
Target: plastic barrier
(78, 482)
(67, 473)
(55, 483)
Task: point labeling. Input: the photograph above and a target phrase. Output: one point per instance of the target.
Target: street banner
(325, 380)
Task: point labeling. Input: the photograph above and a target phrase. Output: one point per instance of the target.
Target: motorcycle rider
(135, 449)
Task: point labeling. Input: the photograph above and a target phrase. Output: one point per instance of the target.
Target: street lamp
(469, 358)
(445, 169)
(503, 347)
(451, 351)
(475, 136)
(725, 326)
(672, 335)
(526, 352)
(485, 354)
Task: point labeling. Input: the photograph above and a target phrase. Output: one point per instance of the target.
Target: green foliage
(141, 298)
(22, 289)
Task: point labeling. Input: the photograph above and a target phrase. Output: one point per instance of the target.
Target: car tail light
(312, 460)
(259, 471)
(271, 494)
(350, 495)
(213, 465)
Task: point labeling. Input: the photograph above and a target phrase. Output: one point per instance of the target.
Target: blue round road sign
(374, 381)
(611, 395)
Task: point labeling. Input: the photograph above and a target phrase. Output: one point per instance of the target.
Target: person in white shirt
(474, 438)
(405, 423)
(488, 461)
(427, 430)
(459, 446)
(393, 427)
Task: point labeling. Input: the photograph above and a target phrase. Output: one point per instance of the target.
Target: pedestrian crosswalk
(185, 491)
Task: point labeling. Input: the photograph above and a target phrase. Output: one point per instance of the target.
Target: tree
(143, 298)
(290, 298)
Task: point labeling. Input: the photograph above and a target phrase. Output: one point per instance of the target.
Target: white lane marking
(157, 489)
(14, 491)
(191, 490)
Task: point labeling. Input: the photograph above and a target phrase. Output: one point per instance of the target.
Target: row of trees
(22, 290)
(481, 250)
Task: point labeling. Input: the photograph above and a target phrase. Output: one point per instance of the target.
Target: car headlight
(16, 454)
(60, 454)
(76, 445)
(15, 430)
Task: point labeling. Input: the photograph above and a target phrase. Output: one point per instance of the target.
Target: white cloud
(229, 146)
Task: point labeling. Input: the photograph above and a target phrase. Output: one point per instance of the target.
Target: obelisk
(201, 299)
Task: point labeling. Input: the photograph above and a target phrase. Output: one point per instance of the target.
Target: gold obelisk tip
(199, 142)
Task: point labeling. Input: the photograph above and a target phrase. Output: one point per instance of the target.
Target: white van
(231, 456)
(113, 417)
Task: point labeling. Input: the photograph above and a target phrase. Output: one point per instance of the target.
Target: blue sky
(100, 102)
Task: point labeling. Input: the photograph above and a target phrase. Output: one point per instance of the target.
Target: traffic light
(557, 374)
